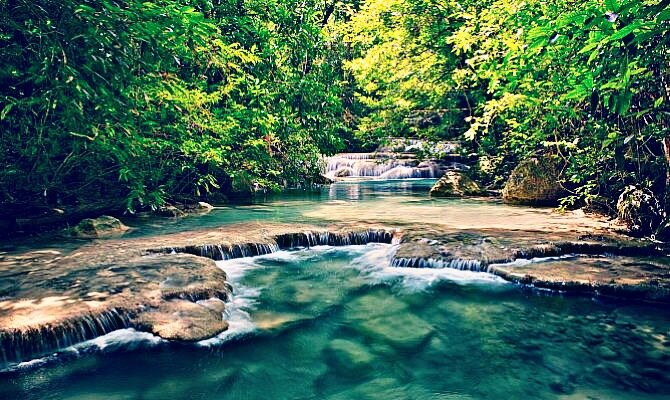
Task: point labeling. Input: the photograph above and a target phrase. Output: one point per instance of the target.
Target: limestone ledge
(601, 265)
(169, 285)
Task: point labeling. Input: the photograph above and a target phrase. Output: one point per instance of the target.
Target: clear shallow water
(340, 323)
(298, 206)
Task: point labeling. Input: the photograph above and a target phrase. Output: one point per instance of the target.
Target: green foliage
(586, 81)
(150, 100)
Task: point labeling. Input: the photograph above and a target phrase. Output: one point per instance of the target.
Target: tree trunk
(328, 12)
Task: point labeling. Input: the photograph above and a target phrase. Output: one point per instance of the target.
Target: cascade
(456, 263)
(21, 345)
(382, 168)
(395, 161)
(17, 345)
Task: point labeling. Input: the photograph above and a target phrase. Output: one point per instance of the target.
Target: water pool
(341, 323)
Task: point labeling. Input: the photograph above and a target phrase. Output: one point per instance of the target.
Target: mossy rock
(98, 227)
(455, 184)
(169, 211)
(535, 181)
(640, 210)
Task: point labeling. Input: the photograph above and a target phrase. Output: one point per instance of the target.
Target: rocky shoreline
(170, 286)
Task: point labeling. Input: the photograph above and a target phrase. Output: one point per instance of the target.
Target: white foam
(127, 339)
(122, 338)
(375, 264)
(237, 316)
(30, 364)
(521, 262)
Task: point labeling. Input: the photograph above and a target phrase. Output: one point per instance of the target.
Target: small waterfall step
(397, 160)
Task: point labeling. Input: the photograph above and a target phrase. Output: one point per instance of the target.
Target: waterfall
(456, 263)
(285, 241)
(309, 239)
(17, 345)
(376, 166)
(397, 160)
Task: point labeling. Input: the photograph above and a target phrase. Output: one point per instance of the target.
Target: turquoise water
(340, 323)
(297, 206)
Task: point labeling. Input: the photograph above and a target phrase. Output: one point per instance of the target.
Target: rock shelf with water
(53, 299)
(606, 266)
(170, 286)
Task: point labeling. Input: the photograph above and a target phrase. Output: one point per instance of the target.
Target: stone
(269, 321)
(105, 225)
(204, 207)
(343, 172)
(170, 211)
(348, 356)
(182, 320)
(404, 330)
(324, 180)
(374, 305)
(639, 209)
(214, 304)
(60, 294)
(455, 184)
(378, 388)
(535, 181)
(562, 386)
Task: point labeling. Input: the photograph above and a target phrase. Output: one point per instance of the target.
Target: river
(342, 323)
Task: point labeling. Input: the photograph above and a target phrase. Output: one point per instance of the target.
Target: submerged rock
(455, 184)
(98, 227)
(535, 182)
(270, 321)
(374, 305)
(349, 356)
(403, 330)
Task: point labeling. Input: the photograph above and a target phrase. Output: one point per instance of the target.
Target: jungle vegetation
(148, 101)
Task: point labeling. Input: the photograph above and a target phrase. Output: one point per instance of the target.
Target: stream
(343, 323)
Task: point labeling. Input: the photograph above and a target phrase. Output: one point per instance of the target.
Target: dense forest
(142, 103)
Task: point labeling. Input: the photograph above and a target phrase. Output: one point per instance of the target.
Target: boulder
(170, 211)
(182, 320)
(455, 184)
(98, 227)
(535, 181)
(639, 209)
(199, 207)
(323, 180)
(203, 207)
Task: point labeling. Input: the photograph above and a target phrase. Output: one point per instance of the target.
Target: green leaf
(5, 110)
(623, 32)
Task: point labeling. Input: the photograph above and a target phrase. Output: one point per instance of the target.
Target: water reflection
(365, 190)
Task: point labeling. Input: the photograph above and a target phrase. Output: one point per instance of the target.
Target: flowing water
(342, 323)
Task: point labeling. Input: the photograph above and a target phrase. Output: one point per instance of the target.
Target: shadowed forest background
(131, 105)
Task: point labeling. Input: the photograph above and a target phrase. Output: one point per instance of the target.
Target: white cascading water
(387, 164)
(366, 165)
